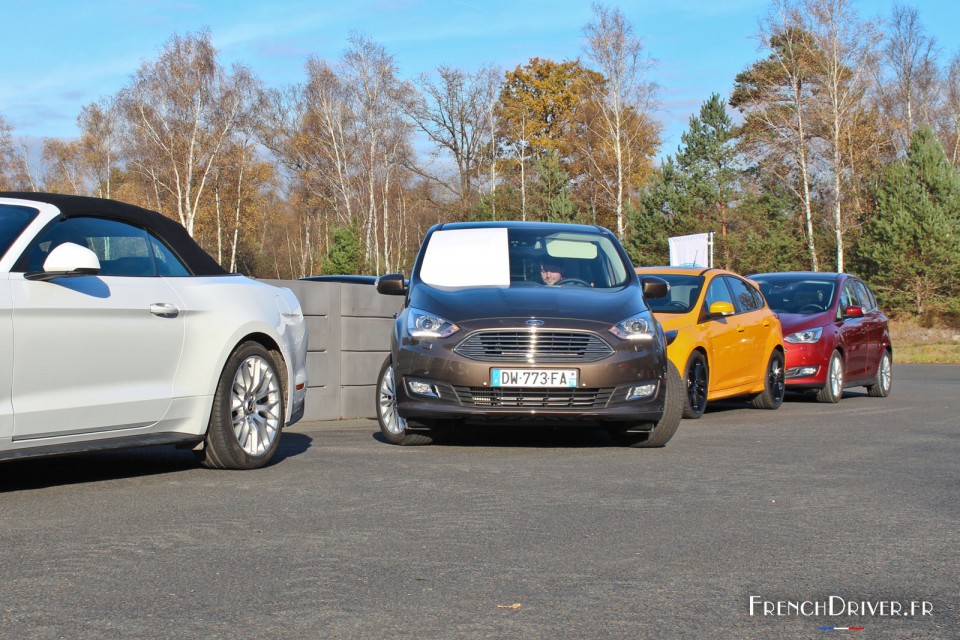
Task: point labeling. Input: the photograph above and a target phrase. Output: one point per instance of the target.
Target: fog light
(801, 372)
(641, 391)
(419, 388)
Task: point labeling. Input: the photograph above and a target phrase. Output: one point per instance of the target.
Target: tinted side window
(123, 249)
(758, 298)
(866, 298)
(167, 263)
(717, 292)
(742, 295)
(848, 297)
(13, 220)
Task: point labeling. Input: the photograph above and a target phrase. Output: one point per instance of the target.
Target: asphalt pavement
(748, 524)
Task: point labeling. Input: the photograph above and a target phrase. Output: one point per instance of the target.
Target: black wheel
(881, 389)
(833, 389)
(661, 432)
(248, 411)
(696, 378)
(394, 427)
(773, 386)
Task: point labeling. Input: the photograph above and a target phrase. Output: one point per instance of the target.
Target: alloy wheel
(776, 379)
(886, 372)
(255, 403)
(388, 404)
(697, 386)
(835, 376)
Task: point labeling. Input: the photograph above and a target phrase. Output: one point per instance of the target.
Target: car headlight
(638, 327)
(421, 324)
(804, 337)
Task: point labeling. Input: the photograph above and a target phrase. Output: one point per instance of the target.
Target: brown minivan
(526, 323)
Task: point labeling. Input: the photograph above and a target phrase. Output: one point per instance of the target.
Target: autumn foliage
(816, 160)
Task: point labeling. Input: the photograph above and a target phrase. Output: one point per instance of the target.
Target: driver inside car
(551, 273)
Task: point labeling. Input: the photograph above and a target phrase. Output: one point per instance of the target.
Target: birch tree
(776, 97)
(309, 128)
(453, 111)
(952, 107)
(619, 56)
(15, 170)
(100, 142)
(848, 47)
(909, 57)
(66, 171)
(377, 95)
(181, 110)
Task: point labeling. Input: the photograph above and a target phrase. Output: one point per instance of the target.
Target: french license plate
(534, 377)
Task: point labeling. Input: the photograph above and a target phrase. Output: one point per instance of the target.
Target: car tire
(696, 380)
(248, 411)
(881, 389)
(773, 383)
(394, 427)
(669, 421)
(832, 391)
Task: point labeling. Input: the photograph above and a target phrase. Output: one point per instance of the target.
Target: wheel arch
(271, 345)
(702, 350)
(680, 350)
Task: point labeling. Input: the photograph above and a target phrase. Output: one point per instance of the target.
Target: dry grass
(915, 344)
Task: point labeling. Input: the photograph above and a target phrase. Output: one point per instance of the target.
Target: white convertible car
(117, 330)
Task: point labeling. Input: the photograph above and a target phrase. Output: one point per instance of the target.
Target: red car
(834, 334)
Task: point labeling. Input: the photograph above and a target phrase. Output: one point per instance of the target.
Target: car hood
(793, 322)
(463, 305)
(676, 321)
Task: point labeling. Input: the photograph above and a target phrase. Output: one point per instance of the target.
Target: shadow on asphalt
(799, 397)
(39, 473)
(518, 436)
(291, 445)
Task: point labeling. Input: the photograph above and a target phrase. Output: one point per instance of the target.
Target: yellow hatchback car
(722, 337)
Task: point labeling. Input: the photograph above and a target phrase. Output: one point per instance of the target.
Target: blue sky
(65, 55)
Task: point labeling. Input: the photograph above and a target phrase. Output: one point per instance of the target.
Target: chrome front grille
(507, 397)
(534, 346)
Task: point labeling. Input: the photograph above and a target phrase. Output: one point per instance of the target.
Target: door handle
(164, 310)
(766, 323)
(740, 328)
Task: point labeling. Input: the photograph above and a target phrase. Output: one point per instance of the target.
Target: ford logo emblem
(534, 323)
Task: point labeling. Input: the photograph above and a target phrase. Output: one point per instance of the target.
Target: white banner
(691, 251)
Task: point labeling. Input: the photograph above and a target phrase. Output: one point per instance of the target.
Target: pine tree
(552, 191)
(345, 255)
(910, 249)
(663, 211)
(708, 159)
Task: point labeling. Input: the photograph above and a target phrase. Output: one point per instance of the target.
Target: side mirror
(721, 309)
(65, 261)
(853, 312)
(654, 287)
(392, 284)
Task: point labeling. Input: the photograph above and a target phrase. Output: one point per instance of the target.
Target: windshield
(797, 294)
(683, 295)
(509, 257)
(13, 220)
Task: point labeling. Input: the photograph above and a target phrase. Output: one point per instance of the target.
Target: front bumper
(805, 366)
(453, 387)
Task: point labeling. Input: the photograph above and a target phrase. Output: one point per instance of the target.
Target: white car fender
(275, 314)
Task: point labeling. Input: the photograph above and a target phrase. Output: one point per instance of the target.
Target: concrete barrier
(349, 328)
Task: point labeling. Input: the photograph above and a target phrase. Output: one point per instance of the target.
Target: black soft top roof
(198, 261)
